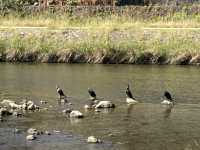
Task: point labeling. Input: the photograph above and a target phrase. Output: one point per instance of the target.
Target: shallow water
(145, 126)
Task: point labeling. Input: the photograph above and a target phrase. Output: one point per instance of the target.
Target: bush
(16, 4)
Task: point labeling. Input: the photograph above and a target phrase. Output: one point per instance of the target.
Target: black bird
(60, 92)
(128, 92)
(168, 96)
(92, 93)
(167, 99)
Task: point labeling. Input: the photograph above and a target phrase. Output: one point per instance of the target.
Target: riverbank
(154, 35)
(128, 46)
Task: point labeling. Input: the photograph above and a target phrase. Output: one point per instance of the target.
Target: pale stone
(105, 104)
(76, 114)
(92, 139)
(30, 137)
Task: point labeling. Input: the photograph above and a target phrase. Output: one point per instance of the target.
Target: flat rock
(30, 137)
(92, 139)
(76, 114)
(105, 104)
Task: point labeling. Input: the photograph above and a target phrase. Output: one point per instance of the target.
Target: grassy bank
(123, 36)
(113, 46)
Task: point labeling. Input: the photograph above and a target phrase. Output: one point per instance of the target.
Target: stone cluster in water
(9, 107)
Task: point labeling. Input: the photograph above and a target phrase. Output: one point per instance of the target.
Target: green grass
(169, 42)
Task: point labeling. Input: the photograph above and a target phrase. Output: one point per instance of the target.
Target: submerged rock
(30, 137)
(17, 131)
(105, 104)
(88, 106)
(47, 133)
(5, 112)
(92, 139)
(17, 114)
(76, 114)
(31, 105)
(43, 102)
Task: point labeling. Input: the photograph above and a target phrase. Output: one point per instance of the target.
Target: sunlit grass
(177, 20)
(138, 41)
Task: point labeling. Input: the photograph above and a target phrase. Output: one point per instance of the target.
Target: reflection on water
(145, 126)
(168, 110)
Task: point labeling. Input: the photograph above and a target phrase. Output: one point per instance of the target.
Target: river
(145, 126)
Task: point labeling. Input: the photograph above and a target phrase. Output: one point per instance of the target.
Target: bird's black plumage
(60, 91)
(92, 93)
(128, 92)
(168, 96)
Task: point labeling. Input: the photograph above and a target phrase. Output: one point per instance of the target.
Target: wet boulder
(31, 105)
(7, 102)
(105, 104)
(88, 106)
(76, 114)
(17, 114)
(15, 106)
(92, 139)
(5, 112)
(30, 137)
(10, 103)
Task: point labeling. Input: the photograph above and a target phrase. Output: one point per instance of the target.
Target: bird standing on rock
(93, 99)
(61, 93)
(92, 94)
(130, 99)
(167, 99)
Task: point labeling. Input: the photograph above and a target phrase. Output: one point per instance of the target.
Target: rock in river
(92, 139)
(30, 137)
(4, 112)
(105, 104)
(76, 114)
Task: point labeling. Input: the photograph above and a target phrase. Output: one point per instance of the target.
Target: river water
(145, 126)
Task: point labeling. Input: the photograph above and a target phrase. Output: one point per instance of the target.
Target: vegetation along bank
(169, 38)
